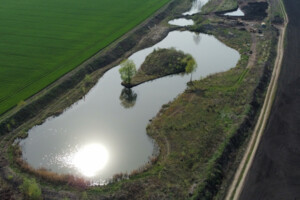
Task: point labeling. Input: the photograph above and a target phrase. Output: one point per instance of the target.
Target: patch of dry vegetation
(41, 173)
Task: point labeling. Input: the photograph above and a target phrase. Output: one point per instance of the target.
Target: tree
(127, 71)
(191, 65)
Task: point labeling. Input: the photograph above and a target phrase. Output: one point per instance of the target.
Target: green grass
(31, 189)
(41, 40)
(276, 14)
(219, 6)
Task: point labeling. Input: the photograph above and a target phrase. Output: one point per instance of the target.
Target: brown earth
(275, 172)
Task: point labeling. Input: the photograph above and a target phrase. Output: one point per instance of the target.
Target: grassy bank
(276, 15)
(220, 6)
(232, 148)
(42, 40)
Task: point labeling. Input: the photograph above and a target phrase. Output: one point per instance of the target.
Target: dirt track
(275, 172)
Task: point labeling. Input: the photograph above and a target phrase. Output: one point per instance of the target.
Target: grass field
(40, 40)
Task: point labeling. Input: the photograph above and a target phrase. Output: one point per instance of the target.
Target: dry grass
(45, 174)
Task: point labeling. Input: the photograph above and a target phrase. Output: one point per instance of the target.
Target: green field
(40, 40)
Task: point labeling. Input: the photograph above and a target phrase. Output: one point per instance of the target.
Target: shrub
(31, 189)
(84, 196)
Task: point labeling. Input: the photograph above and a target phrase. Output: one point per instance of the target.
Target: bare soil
(275, 172)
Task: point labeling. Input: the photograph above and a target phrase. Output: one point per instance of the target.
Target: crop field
(40, 40)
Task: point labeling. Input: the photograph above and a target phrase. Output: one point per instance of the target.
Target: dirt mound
(255, 11)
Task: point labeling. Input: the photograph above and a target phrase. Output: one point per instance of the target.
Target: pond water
(237, 13)
(181, 22)
(196, 7)
(105, 133)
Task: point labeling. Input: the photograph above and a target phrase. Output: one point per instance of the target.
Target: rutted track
(242, 172)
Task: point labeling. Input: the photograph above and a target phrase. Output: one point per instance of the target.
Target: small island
(160, 63)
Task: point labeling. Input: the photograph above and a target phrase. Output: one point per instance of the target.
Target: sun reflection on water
(90, 159)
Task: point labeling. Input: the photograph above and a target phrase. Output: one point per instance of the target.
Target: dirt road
(242, 174)
(275, 172)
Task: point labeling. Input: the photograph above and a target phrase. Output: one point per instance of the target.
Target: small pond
(105, 133)
(181, 22)
(237, 13)
(196, 7)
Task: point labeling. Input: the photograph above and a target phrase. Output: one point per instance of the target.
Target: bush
(84, 196)
(31, 189)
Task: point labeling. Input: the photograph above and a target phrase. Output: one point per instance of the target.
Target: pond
(105, 133)
(196, 7)
(237, 13)
(181, 22)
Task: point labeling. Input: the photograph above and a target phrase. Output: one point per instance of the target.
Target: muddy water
(196, 7)
(237, 13)
(105, 133)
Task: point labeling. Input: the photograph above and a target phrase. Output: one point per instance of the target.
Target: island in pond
(160, 63)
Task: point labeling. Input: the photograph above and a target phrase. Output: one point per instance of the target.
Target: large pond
(105, 133)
